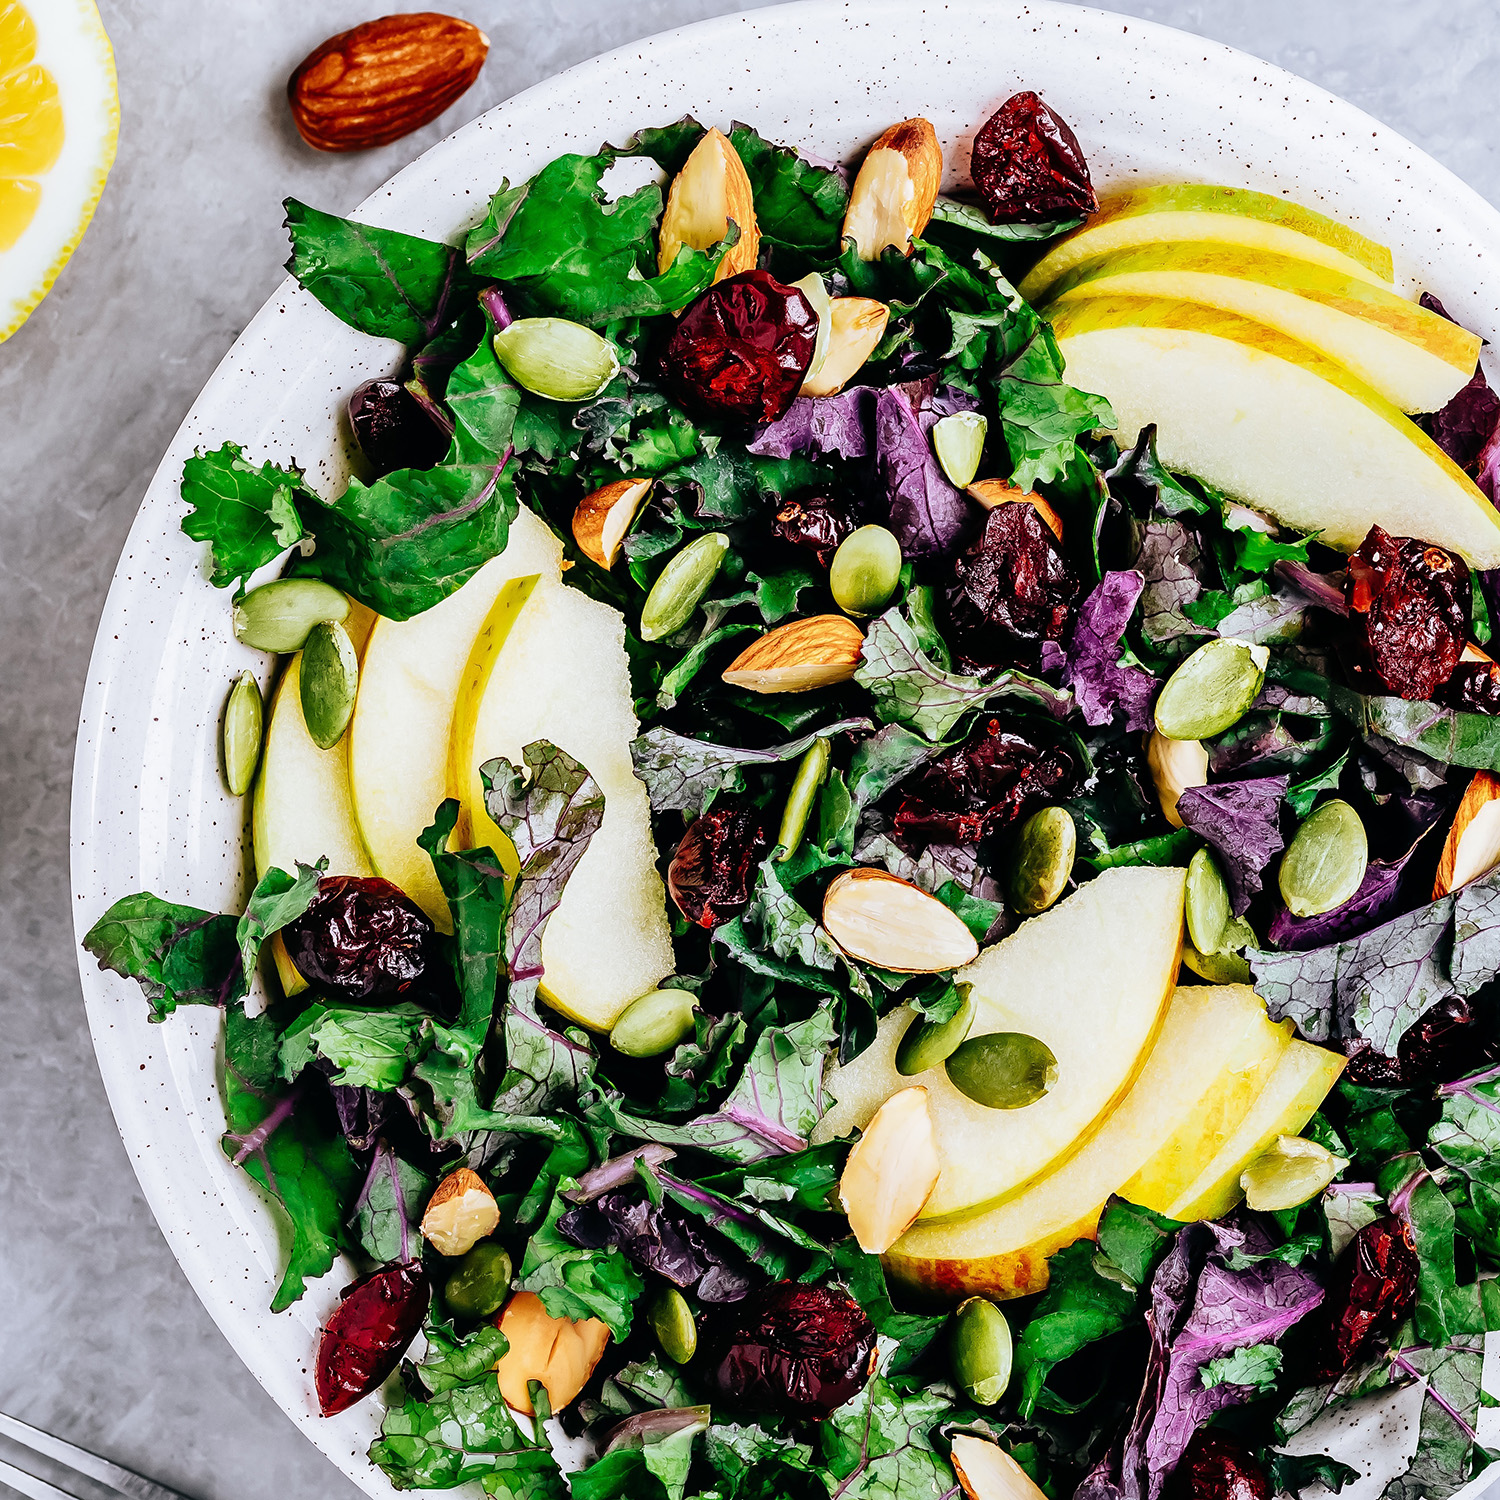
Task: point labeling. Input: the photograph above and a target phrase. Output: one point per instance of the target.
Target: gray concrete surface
(100, 1337)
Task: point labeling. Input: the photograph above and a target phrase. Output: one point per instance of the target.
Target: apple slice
(1272, 422)
(1207, 1034)
(1223, 215)
(1298, 1086)
(408, 682)
(1414, 358)
(301, 807)
(556, 670)
(1091, 978)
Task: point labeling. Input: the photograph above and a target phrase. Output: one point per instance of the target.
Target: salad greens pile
(698, 1163)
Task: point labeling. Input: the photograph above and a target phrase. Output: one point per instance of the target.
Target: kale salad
(1028, 1023)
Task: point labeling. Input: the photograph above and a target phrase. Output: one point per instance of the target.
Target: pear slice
(408, 683)
(301, 808)
(712, 189)
(1414, 358)
(555, 669)
(1272, 422)
(1223, 215)
(1208, 1035)
(1091, 978)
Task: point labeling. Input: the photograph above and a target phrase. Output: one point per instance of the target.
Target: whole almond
(799, 656)
(883, 920)
(892, 197)
(460, 1213)
(372, 85)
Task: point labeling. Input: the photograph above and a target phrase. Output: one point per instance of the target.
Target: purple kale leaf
(1241, 820)
(823, 424)
(929, 516)
(1378, 896)
(1467, 424)
(1101, 683)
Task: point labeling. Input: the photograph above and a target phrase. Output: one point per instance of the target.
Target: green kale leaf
(574, 1282)
(248, 516)
(373, 1049)
(179, 955)
(1252, 1365)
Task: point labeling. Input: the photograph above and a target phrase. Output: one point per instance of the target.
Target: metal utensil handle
(126, 1481)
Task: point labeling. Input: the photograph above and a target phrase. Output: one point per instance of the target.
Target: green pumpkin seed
(1325, 862)
(958, 442)
(865, 570)
(811, 286)
(1207, 903)
(1043, 861)
(925, 1044)
(811, 771)
(480, 1282)
(1003, 1069)
(1217, 968)
(675, 1327)
(329, 680)
(655, 1023)
(244, 714)
(679, 586)
(277, 616)
(1211, 690)
(557, 359)
(981, 1348)
(1288, 1173)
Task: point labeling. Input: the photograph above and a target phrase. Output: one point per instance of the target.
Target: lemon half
(59, 119)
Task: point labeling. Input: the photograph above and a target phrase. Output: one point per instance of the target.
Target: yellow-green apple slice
(1223, 215)
(1272, 422)
(556, 670)
(1414, 358)
(1182, 1157)
(1091, 978)
(1003, 1252)
(301, 808)
(1289, 1100)
(408, 683)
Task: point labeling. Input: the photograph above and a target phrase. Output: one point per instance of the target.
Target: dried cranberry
(393, 429)
(796, 1349)
(361, 939)
(364, 1339)
(1372, 1288)
(1441, 1045)
(1474, 686)
(1413, 601)
(817, 525)
(1028, 166)
(742, 349)
(713, 867)
(1014, 590)
(973, 791)
(1216, 1467)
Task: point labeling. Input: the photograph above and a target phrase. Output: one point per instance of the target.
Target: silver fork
(122, 1482)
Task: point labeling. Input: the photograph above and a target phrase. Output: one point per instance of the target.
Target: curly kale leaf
(248, 516)
(879, 1446)
(372, 1049)
(574, 1282)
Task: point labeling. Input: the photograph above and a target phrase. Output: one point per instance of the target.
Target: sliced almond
(991, 493)
(856, 326)
(602, 519)
(799, 656)
(558, 1352)
(460, 1213)
(711, 189)
(886, 921)
(1471, 652)
(1473, 845)
(891, 1171)
(892, 198)
(1176, 765)
(988, 1472)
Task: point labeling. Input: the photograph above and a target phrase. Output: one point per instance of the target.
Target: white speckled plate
(149, 810)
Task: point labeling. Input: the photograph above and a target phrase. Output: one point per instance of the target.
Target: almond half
(460, 1213)
(892, 198)
(799, 656)
(891, 1171)
(711, 189)
(886, 921)
(602, 519)
(856, 326)
(992, 493)
(1473, 845)
(988, 1472)
(1176, 766)
(558, 1352)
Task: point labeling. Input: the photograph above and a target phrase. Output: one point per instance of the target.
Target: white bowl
(149, 809)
